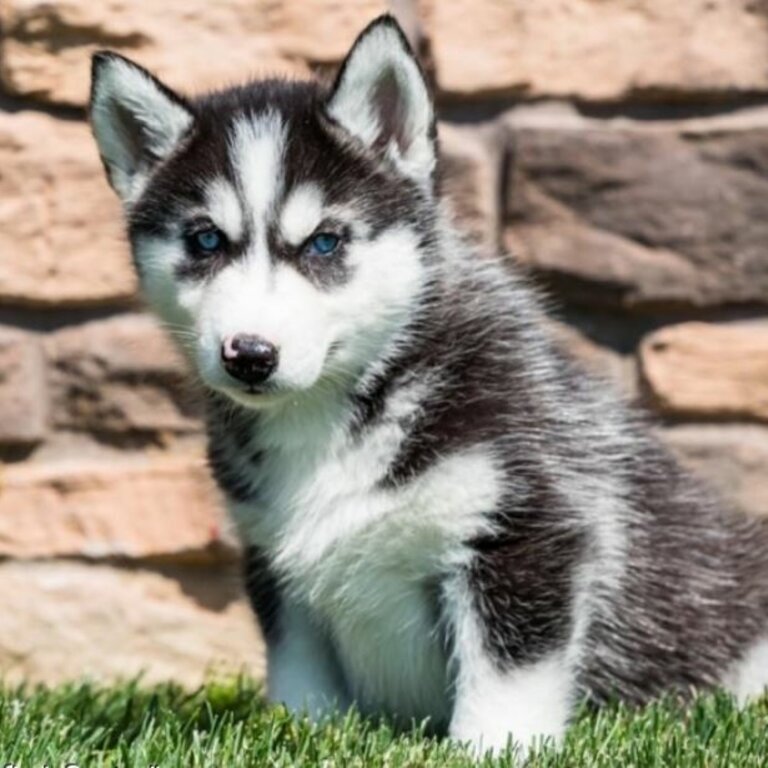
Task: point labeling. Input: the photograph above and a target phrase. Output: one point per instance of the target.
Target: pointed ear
(381, 97)
(136, 120)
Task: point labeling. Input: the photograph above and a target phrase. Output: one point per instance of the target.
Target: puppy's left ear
(381, 97)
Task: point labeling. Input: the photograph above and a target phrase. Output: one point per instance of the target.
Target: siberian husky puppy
(442, 516)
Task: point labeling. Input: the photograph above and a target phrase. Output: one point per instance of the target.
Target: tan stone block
(61, 240)
(318, 31)
(471, 164)
(193, 44)
(151, 507)
(713, 371)
(590, 265)
(69, 621)
(119, 376)
(597, 51)
(641, 216)
(23, 392)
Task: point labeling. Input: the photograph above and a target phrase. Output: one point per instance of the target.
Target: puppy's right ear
(137, 121)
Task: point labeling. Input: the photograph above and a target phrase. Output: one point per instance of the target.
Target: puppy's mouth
(262, 396)
(259, 389)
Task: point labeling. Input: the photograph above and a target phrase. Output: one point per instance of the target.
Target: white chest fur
(366, 559)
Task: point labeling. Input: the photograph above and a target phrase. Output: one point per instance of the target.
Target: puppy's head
(280, 229)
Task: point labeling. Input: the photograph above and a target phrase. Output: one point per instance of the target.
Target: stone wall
(619, 150)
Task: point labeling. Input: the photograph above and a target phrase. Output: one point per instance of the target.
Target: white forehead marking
(224, 208)
(257, 147)
(302, 212)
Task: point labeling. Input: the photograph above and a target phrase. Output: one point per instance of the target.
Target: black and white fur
(443, 518)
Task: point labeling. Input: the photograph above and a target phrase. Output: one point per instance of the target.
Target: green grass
(227, 725)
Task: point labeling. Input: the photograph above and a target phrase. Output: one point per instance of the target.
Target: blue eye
(208, 240)
(324, 243)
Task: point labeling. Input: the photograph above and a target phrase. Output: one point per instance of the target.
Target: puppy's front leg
(302, 671)
(499, 704)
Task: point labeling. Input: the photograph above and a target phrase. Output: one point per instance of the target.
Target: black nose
(248, 358)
